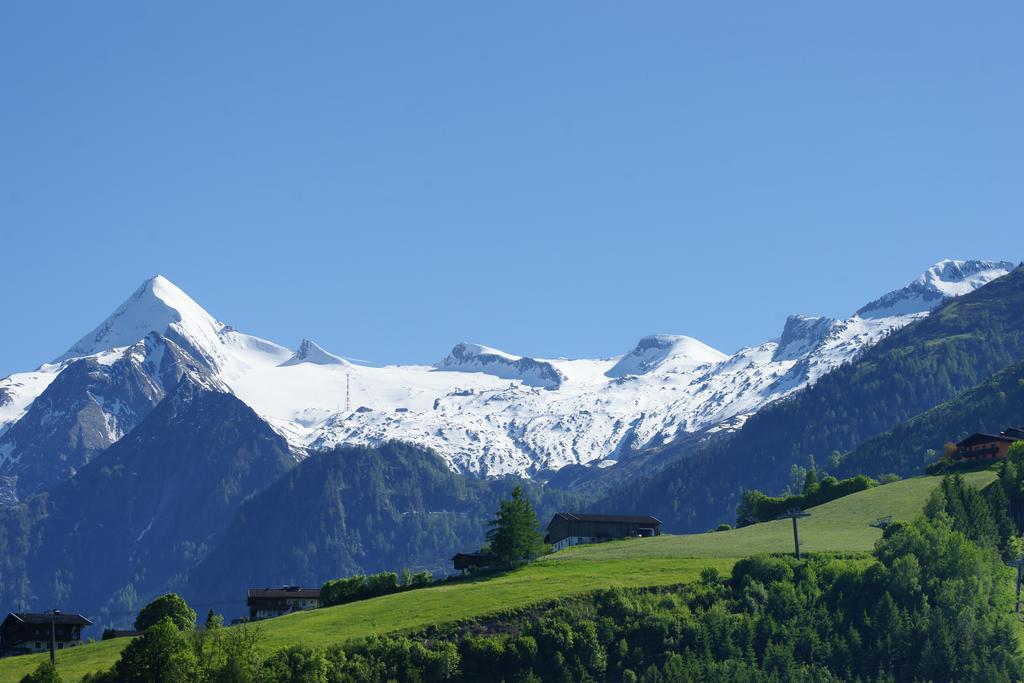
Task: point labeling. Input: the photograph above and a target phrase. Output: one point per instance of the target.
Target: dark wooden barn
(982, 446)
(573, 528)
(463, 561)
(25, 632)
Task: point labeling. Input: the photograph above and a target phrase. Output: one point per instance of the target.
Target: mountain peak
(157, 304)
(654, 350)
(311, 352)
(801, 334)
(947, 278)
(466, 357)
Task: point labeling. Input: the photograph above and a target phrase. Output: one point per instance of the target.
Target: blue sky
(555, 179)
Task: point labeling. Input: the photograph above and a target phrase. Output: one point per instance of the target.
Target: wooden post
(796, 539)
(53, 637)
(794, 515)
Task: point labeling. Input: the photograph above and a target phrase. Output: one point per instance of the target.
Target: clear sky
(554, 179)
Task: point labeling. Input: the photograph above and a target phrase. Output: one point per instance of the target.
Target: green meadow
(838, 526)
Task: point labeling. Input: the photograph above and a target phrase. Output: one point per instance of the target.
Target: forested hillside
(137, 518)
(354, 510)
(961, 344)
(989, 407)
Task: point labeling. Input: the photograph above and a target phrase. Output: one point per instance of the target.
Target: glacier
(486, 411)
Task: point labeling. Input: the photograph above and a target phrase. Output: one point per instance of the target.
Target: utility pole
(1019, 565)
(53, 636)
(795, 514)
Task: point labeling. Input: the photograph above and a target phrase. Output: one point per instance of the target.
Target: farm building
(27, 632)
(464, 561)
(265, 603)
(982, 446)
(573, 528)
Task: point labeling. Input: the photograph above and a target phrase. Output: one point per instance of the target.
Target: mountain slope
(354, 510)
(989, 407)
(133, 521)
(90, 404)
(961, 344)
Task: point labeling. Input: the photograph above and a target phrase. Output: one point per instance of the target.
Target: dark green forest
(354, 510)
(989, 407)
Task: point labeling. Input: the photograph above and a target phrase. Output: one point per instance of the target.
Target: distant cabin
(465, 561)
(266, 603)
(573, 528)
(28, 632)
(982, 446)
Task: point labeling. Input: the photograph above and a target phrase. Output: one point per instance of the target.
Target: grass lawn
(841, 525)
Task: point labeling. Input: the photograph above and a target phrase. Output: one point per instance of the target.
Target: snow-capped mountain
(485, 411)
(946, 278)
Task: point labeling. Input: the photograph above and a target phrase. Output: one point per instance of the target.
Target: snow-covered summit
(466, 357)
(947, 278)
(158, 304)
(311, 352)
(655, 350)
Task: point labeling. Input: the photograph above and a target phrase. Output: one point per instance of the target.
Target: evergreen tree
(513, 534)
(214, 620)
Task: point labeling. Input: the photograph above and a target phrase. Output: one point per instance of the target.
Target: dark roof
(44, 618)
(1016, 432)
(474, 556)
(982, 437)
(283, 593)
(620, 519)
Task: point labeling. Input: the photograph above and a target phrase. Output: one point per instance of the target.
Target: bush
(44, 673)
(756, 506)
(363, 587)
(170, 606)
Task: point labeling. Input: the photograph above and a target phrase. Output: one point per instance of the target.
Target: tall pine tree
(513, 534)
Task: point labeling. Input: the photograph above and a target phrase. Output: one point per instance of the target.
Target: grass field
(841, 525)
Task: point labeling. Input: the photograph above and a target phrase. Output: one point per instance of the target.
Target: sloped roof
(611, 519)
(284, 593)
(982, 437)
(44, 618)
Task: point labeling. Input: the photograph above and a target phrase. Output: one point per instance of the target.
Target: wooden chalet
(28, 632)
(266, 603)
(465, 561)
(982, 446)
(573, 528)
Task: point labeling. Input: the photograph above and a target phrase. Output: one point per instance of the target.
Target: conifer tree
(513, 534)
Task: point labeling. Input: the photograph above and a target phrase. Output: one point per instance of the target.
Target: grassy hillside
(840, 525)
